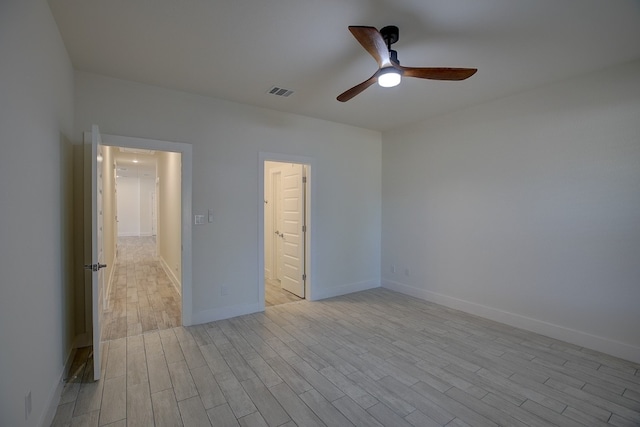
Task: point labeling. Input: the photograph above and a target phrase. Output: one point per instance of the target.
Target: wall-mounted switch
(199, 219)
(210, 215)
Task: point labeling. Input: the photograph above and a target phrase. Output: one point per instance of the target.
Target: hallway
(275, 295)
(142, 297)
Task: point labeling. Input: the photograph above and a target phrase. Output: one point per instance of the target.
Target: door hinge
(304, 277)
(304, 228)
(304, 179)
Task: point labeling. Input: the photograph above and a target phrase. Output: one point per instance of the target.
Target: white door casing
(292, 210)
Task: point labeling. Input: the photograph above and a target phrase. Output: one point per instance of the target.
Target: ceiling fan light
(389, 77)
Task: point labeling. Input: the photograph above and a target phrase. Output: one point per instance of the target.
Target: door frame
(186, 194)
(309, 262)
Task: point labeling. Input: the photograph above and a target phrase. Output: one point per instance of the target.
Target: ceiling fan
(390, 72)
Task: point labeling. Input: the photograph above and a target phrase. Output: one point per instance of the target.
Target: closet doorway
(286, 226)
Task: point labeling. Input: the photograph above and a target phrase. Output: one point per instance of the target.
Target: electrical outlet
(27, 405)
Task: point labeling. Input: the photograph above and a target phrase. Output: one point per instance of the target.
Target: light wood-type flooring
(369, 359)
(275, 295)
(142, 298)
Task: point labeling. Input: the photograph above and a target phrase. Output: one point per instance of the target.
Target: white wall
(36, 289)
(147, 187)
(227, 139)
(170, 215)
(134, 205)
(128, 196)
(525, 210)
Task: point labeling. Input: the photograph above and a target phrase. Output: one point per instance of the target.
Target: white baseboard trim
(171, 275)
(343, 290)
(54, 395)
(583, 339)
(83, 340)
(225, 313)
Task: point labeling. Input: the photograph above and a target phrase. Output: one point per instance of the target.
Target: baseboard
(83, 340)
(221, 313)
(343, 290)
(583, 339)
(56, 392)
(174, 280)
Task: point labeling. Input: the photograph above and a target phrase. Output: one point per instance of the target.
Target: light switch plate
(210, 215)
(199, 219)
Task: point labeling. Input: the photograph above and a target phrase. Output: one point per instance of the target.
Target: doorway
(145, 291)
(286, 237)
(165, 201)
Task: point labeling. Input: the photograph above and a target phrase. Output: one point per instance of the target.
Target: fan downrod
(390, 34)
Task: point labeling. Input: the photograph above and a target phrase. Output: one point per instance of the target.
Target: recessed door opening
(286, 203)
(146, 285)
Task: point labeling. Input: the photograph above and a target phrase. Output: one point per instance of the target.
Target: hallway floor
(142, 297)
(275, 295)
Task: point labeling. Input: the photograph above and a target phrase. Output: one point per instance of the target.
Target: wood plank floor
(275, 295)
(371, 358)
(142, 298)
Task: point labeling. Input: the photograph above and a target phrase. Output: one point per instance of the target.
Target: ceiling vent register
(278, 91)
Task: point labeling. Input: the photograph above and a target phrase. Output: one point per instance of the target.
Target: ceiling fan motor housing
(390, 34)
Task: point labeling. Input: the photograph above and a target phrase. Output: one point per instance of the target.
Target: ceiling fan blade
(437, 73)
(371, 39)
(357, 89)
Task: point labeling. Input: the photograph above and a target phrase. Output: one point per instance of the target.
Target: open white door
(97, 253)
(293, 228)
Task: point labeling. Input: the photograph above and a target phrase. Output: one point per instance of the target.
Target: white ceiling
(134, 164)
(238, 49)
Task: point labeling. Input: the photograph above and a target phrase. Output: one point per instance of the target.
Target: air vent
(278, 91)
